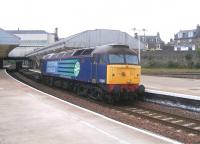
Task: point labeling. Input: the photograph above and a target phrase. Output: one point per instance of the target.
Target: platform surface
(168, 84)
(31, 117)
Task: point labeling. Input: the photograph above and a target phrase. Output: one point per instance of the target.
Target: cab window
(131, 59)
(94, 59)
(102, 59)
(116, 59)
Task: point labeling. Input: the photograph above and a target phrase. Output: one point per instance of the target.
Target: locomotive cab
(118, 67)
(120, 64)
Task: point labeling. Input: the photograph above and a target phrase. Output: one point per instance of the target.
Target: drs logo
(66, 68)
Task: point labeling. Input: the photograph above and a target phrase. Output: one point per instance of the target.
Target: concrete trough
(188, 102)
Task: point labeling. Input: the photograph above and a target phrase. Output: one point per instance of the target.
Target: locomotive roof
(105, 49)
(113, 49)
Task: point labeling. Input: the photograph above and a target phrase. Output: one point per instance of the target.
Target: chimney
(136, 35)
(56, 34)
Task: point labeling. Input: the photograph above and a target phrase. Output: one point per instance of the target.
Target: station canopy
(7, 43)
(87, 39)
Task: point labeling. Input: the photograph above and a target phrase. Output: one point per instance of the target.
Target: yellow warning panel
(123, 74)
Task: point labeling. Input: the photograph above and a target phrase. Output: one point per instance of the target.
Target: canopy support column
(1, 63)
(18, 65)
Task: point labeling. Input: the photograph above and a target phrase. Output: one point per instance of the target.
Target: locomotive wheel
(108, 99)
(76, 88)
(65, 85)
(46, 80)
(80, 91)
(141, 90)
(99, 94)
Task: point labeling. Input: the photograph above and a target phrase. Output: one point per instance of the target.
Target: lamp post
(139, 30)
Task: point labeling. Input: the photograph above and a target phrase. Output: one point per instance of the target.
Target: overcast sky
(73, 16)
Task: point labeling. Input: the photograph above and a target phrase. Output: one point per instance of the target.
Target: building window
(184, 35)
(190, 34)
(146, 45)
(156, 39)
(179, 35)
(143, 39)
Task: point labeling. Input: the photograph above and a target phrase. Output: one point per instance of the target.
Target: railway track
(190, 125)
(178, 123)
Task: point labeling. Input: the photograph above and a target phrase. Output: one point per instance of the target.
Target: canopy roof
(90, 38)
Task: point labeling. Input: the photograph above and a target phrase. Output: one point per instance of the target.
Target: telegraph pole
(139, 47)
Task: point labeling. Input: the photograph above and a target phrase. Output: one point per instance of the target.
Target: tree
(198, 52)
(188, 58)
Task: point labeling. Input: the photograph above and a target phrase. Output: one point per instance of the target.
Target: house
(152, 42)
(187, 39)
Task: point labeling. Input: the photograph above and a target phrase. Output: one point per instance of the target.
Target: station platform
(175, 85)
(29, 116)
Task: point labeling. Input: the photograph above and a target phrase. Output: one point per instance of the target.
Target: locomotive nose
(123, 74)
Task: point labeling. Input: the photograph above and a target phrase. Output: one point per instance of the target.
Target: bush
(190, 64)
(198, 52)
(172, 64)
(197, 65)
(154, 64)
(188, 57)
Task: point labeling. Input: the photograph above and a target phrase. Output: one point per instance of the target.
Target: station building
(31, 40)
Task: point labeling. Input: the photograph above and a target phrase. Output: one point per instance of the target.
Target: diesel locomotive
(109, 73)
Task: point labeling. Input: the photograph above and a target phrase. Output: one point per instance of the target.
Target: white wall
(33, 36)
(22, 51)
(183, 48)
(51, 38)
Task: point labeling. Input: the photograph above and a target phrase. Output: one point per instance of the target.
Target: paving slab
(177, 85)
